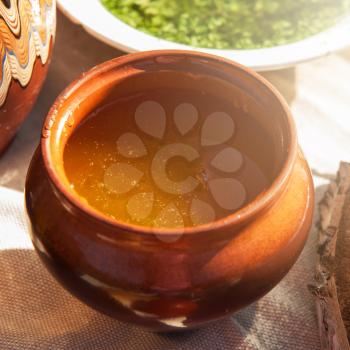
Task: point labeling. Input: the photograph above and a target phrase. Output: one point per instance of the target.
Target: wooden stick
(332, 289)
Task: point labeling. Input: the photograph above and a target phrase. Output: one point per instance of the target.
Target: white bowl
(93, 16)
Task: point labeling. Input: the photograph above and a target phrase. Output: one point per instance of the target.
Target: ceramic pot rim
(236, 219)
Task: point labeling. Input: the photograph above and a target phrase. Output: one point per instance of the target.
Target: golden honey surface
(169, 158)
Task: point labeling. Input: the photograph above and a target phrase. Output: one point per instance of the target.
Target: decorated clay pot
(169, 279)
(27, 30)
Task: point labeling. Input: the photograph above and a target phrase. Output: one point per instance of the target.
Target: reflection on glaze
(177, 322)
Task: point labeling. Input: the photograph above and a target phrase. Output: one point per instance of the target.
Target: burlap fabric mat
(37, 313)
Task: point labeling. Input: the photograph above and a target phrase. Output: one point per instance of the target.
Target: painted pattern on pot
(26, 27)
(27, 30)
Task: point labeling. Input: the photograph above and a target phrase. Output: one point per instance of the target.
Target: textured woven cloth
(37, 313)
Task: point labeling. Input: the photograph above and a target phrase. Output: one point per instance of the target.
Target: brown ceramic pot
(26, 38)
(210, 271)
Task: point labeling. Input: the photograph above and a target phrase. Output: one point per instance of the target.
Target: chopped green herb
(230, 24)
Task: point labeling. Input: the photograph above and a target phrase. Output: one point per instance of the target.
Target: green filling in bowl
(230, 24)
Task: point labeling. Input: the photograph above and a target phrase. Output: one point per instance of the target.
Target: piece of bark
(332, 289)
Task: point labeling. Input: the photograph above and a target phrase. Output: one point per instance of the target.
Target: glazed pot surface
(26, 45)
(209, 271)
